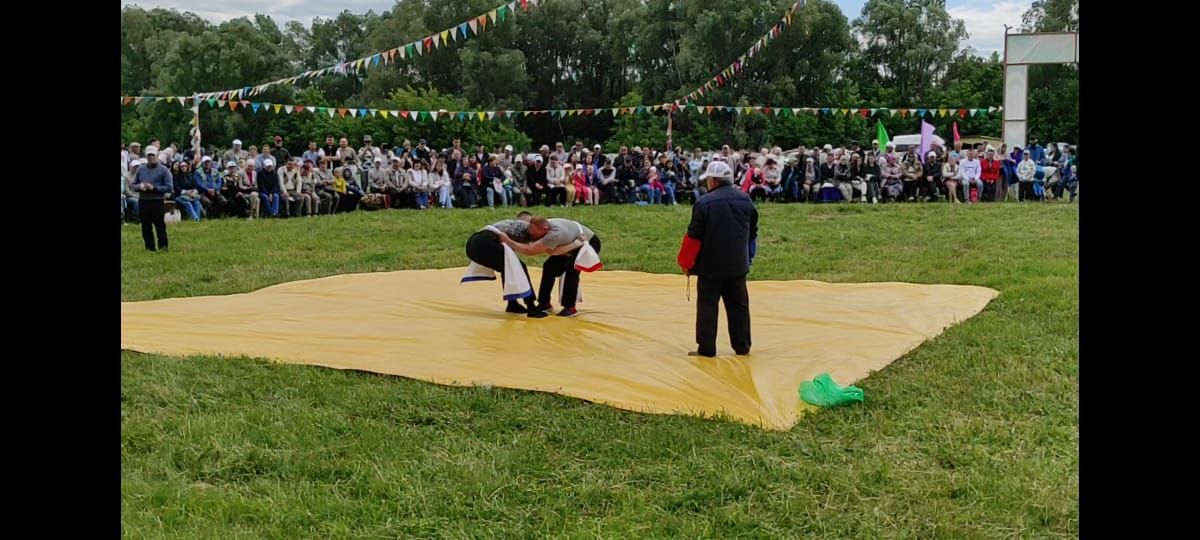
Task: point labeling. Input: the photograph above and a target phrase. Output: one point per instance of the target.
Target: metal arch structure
(1020, 52)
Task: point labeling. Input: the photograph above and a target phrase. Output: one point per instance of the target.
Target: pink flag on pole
(956, 137)
(926, 139)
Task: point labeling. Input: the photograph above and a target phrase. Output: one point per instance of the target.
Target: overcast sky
(985, 19)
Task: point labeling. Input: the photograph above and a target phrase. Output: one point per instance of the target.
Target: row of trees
(590, 53)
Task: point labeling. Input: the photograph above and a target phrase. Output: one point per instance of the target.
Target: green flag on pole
(881, 134)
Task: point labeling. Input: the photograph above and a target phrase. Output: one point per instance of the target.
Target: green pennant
(784, 112)
(410, 50)
(502, 12)
(212, 102)
(423, 115)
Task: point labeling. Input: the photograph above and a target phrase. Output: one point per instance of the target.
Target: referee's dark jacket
(722, 237)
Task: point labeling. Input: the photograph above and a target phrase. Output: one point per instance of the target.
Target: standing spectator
(312, 154)
(1036, 151)
(152, 183)
(329, 157)
(971, 176)
(422, 152)
(280, 153)
(1026, 172)
(210, 183)
(236, 153)
(368, 153)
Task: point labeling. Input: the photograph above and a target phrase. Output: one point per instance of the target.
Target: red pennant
(428, 43)
(766, 109)
(962, 113)
(525, 5)
(864, 112)
(299, 108)
(404, 114)
(499, 114)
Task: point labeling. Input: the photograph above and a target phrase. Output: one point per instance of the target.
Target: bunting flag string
(255, 107)
(722, 77)
(418, 47)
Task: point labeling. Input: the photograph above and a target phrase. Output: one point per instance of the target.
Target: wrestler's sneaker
(514, 307)
(535, 314)
(568, 312)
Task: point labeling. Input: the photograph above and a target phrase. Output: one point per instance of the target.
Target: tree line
(590, 53)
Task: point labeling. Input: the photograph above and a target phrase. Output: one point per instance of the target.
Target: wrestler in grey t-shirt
(515, 229)
(561, 233)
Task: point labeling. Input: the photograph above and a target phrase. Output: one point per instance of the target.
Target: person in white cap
(236, 153)
(377, 180)
(972, 173)
(210, 183)
(268, 187)
(134, 154)
(152, 182)
(293, 201)
(719, 247)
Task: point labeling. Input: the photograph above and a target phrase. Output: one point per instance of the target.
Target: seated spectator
(187, 193)
(248, 191)
(950, 178)
(418, 183)
(269, 191)
(893, 186)
(209, 183)
(440, 183)
(556, 181)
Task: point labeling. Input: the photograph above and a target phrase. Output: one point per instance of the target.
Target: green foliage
(589, 54)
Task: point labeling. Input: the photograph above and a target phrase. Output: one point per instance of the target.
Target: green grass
(972, 435)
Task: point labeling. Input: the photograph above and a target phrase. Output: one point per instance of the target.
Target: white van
(904, 142)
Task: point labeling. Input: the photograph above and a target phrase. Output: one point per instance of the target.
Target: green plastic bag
(823, 392)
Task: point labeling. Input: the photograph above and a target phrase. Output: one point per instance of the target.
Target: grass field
(972, 435)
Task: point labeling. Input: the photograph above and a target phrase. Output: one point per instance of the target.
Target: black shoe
(544, 308)
(697, 353)
(514, 307)
(568, 312)
(743, 353)
(537, 314)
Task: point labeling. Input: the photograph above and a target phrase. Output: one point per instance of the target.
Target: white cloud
(985, 22)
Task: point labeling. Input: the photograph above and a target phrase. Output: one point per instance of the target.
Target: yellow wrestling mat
(626, 348)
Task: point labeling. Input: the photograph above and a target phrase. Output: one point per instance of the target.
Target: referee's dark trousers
(732, 290)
